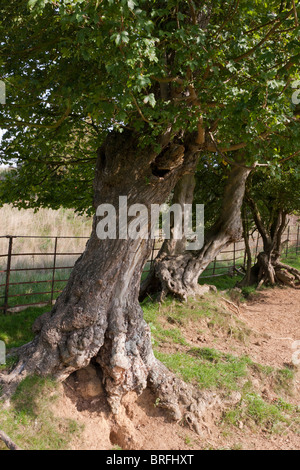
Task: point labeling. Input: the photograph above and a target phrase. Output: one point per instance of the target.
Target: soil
(273, 317)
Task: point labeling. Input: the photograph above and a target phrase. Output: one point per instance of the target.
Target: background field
(46, 245)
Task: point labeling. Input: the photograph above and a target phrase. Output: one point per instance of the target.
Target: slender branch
(214, 126)
(290, 157)
(58, 163)
(233, 162)
(41, 126)
(257, 219)
(295, 13)
(47, 175)
(283, 226)
(229, 18)
(139, 110)
(274, 229)
(272, 30)
(260, 26)
(193, 13)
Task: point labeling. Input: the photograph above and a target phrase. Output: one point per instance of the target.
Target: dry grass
(44, 223)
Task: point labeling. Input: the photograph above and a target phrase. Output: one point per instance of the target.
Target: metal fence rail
(5, 286)
(228, 261)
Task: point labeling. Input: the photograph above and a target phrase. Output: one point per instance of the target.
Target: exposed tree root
(169, 276)
(292, 275)
(10, 381)
(183, 402)
(269, 271)
(8, 442)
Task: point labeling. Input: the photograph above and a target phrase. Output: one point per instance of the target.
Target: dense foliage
(76, 69)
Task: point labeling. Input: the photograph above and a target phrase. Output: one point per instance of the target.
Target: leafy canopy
(75, 70)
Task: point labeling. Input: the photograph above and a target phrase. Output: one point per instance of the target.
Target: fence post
(287, 244)
(215, 263)
(54, 268)
(234, 256)
(298, 240)
(8, 269)
(152, 254)
(245, 255)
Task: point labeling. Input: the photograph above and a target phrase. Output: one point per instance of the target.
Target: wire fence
(34, 270)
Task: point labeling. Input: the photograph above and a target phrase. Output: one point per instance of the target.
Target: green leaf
(150, 99)
(132, 4)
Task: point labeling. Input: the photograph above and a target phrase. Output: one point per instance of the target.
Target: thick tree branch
(257, 219)
(233, 162)
(8, 442)
(295, 13)
(232, 148)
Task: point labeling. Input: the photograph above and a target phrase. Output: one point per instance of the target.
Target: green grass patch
(223, 282)
(248, 291)
(24, 293)
(178, 314)
(282, 379)
(30, 421)
(207, 368)
(16, 328)
(253, 411)
(293, 259)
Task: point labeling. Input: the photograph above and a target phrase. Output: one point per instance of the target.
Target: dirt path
(274, 316)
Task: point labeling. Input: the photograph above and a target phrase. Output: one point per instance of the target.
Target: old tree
(135, 91)
(270, 199)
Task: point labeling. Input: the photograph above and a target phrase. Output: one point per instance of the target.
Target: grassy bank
(178, 330)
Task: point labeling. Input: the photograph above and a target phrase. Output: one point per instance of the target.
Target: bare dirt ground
(274, 318)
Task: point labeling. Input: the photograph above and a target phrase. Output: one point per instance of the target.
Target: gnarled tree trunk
(183, 194)
(178, 273)
(98, 315)
(268, 269)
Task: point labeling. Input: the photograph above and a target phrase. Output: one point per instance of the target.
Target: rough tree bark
(178, 274)
(248, 253)
(268, 269)
(98, 315)
(183, 194)
(8, 442)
